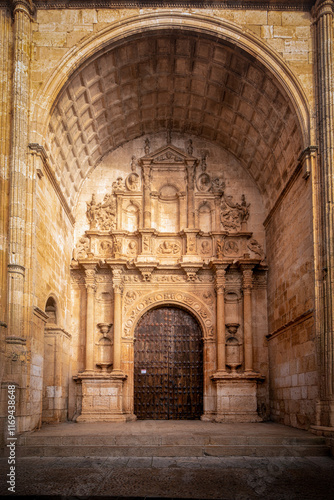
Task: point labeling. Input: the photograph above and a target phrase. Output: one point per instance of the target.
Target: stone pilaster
(190, 194)
(5, 109)
(90, 317)
(323, 12)
(118, 288)
(22, 10)
(247, 284)
(220, 320)
(146, 170)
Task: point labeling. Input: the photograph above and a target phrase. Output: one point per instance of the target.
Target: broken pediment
(168, 154)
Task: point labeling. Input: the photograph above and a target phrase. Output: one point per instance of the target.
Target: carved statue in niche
(169, 248)
(92, 209)
(220, 249)
(81, 249)
(117, 245)
(233, 215)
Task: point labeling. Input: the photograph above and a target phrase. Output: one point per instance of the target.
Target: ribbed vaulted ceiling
(194, 84)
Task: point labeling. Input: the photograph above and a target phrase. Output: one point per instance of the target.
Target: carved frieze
(169, 248)
(194, 304)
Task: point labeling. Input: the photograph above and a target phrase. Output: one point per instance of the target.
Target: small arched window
(51, 310)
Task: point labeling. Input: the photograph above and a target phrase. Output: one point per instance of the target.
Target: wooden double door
(168, 371)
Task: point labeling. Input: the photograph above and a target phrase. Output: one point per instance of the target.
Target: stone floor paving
(232, 478)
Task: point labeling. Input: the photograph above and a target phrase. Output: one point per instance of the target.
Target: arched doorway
(168, 372)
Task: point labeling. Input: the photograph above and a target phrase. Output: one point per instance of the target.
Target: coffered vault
(191, 83)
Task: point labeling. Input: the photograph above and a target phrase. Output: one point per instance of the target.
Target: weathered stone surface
(191, 129)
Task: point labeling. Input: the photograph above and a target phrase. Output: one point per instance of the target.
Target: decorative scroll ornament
(220, 248)
(218, 185)
(118, 185)
(233, 214)
(81, 249)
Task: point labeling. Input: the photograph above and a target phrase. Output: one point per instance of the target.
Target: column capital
(117, 279)
(247, 277)
(90, 273)
(323, 7)
(26, 6)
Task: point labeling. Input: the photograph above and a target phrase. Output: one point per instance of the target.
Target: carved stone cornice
(26, 6)
(40, 151)
(322, 8)
(303, 5)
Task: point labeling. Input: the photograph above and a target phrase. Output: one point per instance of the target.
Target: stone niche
(170, 225)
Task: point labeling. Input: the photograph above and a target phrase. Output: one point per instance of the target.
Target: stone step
(138, 447)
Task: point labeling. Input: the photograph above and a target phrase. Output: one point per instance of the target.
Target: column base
(236, 397)
(102, 397)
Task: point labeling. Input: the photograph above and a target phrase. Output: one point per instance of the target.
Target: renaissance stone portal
(168, 233)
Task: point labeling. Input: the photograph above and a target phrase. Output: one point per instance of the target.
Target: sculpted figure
(81, 249)
(255, 247)
(105, 214)
(168, 248)
(220, 249)
(92, 209)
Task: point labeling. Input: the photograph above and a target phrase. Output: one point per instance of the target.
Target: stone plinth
(236, 397)
(102, 398)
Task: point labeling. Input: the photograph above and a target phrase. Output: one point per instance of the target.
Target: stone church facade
(167, 211)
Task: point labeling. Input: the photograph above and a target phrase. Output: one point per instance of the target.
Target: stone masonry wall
(292, 351)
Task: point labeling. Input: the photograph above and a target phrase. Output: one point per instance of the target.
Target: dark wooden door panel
(168, 366)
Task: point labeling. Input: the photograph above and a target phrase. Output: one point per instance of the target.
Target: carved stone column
(22, 10)
(90, 317)
(323, 12)
(191, 194)
(117, 285)
(146, 170)
(220, 320)
(247, 284)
